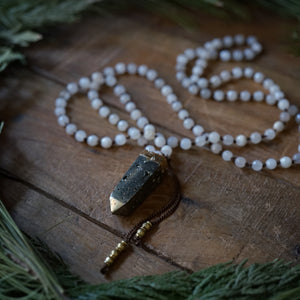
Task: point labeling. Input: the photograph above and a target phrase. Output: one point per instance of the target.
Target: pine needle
(26, 273)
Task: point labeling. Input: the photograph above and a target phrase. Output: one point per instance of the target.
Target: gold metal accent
(115, 204)
(143, 229)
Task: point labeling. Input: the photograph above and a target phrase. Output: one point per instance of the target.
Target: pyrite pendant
(138, 182)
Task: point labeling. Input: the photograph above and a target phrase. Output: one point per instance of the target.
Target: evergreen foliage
(29, 270)
(21, 21)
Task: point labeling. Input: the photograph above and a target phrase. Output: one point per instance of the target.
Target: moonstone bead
(198, 130)
(71, 129)
(171, 98)
(296, 158)
(97, 77)
(284, 116)
(255, 138)
(245, 95)
(248, 72)
(96, 103)
(227, 155)
(292, 110)
(214, 137)
(219, 95)
(176, 106)
(258, 96)
(185, 144)
(80, 136)
(134, 133)
(159, 83)
(166, 90)
(92, 94)
(202, 83)
(72, 88)
(201, 140)
(130, 106)
(109, 71)
(150, 148)
(237, 72)
(59, 111)
(131, 68)
(215, 81)
(205, 93)
(228, 41)
(270, 134)
(239, 39)
(240, 162)
(258, 77)
(270, 99)
(151, 75)
(193, 89)
(63, 120)
(159, 141)
(142, 122)
(149, 132)
(249, 54)
(271, 163)
(225, 75)
(172, 141)
(278, 126)
(228, 140)
(283, 104)
(241, 140)
(297, 118)
(84, 83)
(125, 98)
(142, 141)
(232, 95)
(120, 68)
(142, 70)
(110, 80)
(135, 114)
(166, 151)
(119, 90)
(104, 111)
(225, 55)
(120, 139)
(60, 102)
(122, 125)
(92, 140)
(257, 165)
(237, 55)
(106, 142)
(267, 83)
(113, 119)
(188, 123)
(216, 148)
(285, 162)
(182, 114)
(279, 95)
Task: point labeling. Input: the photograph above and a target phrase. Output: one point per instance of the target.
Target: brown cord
(157, 216)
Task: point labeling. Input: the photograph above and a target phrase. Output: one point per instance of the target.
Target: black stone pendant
(138, 182)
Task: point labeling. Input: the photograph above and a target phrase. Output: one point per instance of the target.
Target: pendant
(143, 176)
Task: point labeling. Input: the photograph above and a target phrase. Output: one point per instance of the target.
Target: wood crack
(6, 174)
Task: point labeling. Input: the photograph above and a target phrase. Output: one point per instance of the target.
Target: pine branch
(26, 272)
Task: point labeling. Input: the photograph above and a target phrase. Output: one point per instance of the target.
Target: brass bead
(141, 232)
(114, 254)
(108, 261)
(147, 225)
(121, 246)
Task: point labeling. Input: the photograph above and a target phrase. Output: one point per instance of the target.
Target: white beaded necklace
(145, 133)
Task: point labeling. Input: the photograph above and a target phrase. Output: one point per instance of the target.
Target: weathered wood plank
(226, 213)
(82, 244)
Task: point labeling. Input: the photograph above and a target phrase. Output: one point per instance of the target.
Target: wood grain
(225, 213)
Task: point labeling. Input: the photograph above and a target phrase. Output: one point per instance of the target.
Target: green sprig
(29, 270)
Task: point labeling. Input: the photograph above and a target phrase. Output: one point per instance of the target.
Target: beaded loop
(145, 134)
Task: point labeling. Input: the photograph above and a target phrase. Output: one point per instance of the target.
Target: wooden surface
(58, 189)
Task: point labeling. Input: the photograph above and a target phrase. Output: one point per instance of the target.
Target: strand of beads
(145, 133)
(208, 88)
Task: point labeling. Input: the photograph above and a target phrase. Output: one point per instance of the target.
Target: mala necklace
(150, 166)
